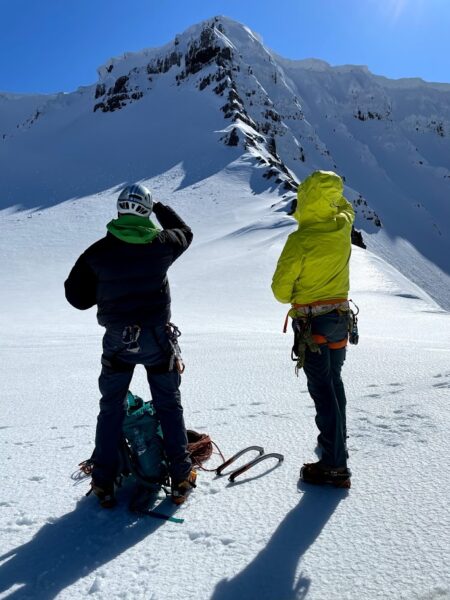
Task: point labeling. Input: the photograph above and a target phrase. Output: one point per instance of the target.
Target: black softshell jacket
(128, 282)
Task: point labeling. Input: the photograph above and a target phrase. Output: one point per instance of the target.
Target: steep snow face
(216, 93)
(17, 111)
(390, 140)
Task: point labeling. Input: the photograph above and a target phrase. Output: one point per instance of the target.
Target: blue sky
(56, 45)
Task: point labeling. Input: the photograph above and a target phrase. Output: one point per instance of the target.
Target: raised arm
(175, 231)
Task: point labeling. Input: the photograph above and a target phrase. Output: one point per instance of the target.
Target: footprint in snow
(25, 521)
(280, 415)
(36, 478)
(198, 535)
(442, 375)
(207, 538)
(226, 541)
(443, 385)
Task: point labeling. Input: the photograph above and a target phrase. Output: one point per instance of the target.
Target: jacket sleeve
(288, 270)
(81, 285)
(175, 231)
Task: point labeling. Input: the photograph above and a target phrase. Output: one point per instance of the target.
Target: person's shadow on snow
(71, 547)
(272, 573)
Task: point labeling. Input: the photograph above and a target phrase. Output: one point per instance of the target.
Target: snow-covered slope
(217, 93)
(263, 538)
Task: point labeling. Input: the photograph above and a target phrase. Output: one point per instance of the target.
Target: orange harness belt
(321, 339)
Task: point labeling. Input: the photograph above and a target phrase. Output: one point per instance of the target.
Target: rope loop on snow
(201, 448)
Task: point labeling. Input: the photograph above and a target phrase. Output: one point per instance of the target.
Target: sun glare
(396, 9)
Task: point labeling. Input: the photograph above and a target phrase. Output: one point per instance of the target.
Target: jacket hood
(319, 198)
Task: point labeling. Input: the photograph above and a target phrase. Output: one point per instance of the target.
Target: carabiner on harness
(173, 334)
(353, 334)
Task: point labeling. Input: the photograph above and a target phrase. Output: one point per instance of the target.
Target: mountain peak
(223, 30)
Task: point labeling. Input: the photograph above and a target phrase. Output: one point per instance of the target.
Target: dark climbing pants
(323, 373)
(151, 349)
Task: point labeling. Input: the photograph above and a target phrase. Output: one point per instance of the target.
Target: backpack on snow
(141, 451)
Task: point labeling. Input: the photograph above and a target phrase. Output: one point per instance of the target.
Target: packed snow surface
(266, 536)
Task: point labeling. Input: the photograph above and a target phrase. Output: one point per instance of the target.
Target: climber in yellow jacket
(312, 275)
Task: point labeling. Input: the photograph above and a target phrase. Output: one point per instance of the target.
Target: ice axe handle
(254, 462)
(231, 460)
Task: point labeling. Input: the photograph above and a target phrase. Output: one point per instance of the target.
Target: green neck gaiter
(133, 229)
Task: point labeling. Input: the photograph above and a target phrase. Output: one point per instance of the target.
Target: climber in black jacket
(125, 275)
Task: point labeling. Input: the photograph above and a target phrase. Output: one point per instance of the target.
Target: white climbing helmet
(135, 200)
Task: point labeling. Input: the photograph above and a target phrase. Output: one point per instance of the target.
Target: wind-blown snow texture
(264, 537)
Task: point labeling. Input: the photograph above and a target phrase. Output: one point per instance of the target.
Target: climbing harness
(302, 316)
(320, 307)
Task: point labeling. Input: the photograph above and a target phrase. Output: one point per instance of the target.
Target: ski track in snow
(266, 536)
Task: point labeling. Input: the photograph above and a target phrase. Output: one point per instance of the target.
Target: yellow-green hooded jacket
(314, 264)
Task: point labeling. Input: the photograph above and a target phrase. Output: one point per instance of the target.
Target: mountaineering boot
(181, 490)
(320, 474)
(105, 494)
